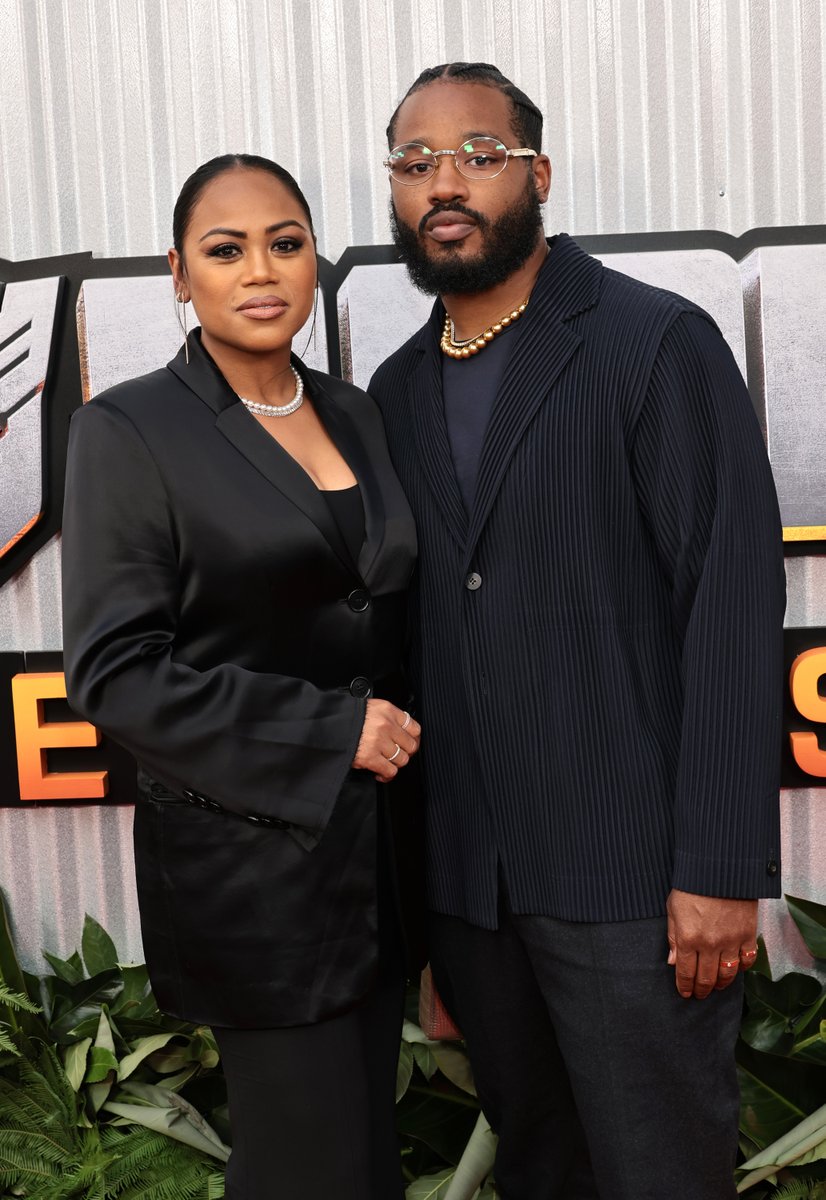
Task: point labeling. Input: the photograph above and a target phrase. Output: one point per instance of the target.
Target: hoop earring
(311, 334)
(179, 296)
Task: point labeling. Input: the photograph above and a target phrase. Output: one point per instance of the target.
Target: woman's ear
(178, 281)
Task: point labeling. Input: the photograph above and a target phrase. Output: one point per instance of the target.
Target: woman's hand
(389, 739)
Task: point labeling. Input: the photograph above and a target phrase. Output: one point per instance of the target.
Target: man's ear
(542, 176)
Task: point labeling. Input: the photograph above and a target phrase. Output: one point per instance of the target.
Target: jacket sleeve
(261, 744)
(706, 491)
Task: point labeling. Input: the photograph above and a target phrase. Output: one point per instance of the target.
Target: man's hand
(389, 739)
(710, 940)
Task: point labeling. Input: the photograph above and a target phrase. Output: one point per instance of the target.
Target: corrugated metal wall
(661, 114)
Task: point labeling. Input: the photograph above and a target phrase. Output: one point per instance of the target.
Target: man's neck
(472, 314)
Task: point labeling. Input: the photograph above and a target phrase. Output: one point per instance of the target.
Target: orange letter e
(35, 736)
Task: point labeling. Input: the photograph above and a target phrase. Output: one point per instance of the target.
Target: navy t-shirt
(469, 387)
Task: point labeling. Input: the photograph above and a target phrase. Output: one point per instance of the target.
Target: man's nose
(447, 183)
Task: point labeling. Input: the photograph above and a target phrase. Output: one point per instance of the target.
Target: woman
(236, 555)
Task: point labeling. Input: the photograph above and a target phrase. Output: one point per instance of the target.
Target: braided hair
(526, 120)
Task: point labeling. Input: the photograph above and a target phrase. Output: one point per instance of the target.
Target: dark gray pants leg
(651, 1075)
(488, 984)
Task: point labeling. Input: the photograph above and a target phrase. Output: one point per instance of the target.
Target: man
(598, 618)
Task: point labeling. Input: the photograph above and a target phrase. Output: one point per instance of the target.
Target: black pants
(312, 1108)
(600, 1080)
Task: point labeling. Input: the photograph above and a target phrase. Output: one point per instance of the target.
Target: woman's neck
(263, 378)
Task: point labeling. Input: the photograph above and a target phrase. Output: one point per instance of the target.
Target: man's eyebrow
(239, 233)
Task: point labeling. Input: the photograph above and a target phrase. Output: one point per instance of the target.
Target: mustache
(461, 209)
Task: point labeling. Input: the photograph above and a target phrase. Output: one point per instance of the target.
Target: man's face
(457, 235)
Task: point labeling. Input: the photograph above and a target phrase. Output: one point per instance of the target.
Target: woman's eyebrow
(239, 233)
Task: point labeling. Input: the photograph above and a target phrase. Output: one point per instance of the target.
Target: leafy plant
(92, 1078)
(782, 1067)
(48, 1152)
(128, 1062)
(440, 1121)
(104, 1097)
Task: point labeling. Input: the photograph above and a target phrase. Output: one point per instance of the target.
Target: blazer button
(359, 600)
(361, 687)
(771, 867)
(473, 582)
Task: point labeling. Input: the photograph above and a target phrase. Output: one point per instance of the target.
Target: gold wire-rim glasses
(472, 148)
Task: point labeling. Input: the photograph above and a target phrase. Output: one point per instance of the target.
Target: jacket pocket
(151, 789)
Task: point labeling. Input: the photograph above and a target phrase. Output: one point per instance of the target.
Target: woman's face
(249, 263)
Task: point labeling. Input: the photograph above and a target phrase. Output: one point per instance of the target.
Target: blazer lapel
(430, 430)
(568, 284)
(202, 376)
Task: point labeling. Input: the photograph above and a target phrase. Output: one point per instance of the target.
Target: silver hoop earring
(182, 323)
(311, 334)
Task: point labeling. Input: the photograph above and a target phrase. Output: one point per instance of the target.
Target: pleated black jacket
(216, 626)
(599, 641)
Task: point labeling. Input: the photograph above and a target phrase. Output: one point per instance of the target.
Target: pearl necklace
(278, 410)
(473, 345)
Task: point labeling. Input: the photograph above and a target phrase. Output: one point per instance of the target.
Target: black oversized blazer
(598, 641)
(216, 626)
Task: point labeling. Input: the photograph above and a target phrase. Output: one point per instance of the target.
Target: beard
(507, 244)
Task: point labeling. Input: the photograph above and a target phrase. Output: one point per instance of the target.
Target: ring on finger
(395, 754)
(748, 953)
(724, 962)
(406, 720)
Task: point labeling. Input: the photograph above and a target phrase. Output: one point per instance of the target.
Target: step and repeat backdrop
(72, 326)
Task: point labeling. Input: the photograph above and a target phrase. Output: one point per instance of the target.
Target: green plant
(782, 1067)
(49, 1152)
(104, 1097)
(121, 1054)
(92, 1083)
(448, 1147)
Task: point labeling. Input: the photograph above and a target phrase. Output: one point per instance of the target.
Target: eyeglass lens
(479, 158)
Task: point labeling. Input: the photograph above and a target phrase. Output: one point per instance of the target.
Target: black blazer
(216, 626)
(599, 641)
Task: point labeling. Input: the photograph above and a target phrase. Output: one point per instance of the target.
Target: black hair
(526, 118)
(190, 193)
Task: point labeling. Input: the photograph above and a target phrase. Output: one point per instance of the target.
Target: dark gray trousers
(599, 1079)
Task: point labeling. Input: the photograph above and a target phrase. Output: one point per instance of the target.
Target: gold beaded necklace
(473, 345)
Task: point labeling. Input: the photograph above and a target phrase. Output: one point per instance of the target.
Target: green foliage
(46, 1153)
(447, 1146)
(103, 1097)
(92, 1084)
(801, 1189)
(13, 1002)
(781, 1059)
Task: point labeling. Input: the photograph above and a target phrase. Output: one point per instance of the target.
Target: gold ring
(395, 753)
(725, 963)
(748, 954)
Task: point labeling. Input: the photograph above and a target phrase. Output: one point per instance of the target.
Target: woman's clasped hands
(389, 739)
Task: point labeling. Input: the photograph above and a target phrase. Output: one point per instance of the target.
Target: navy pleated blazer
(599, 641)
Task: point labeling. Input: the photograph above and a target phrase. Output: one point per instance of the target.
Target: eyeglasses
(477, 158)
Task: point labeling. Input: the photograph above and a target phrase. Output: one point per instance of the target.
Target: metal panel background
(660, 114)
